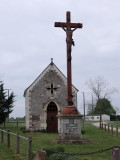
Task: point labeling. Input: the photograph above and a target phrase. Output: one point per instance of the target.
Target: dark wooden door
(52, 120)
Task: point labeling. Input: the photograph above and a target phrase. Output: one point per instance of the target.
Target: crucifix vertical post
(69, 28)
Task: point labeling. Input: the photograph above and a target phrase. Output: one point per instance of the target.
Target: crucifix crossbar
(69, 28)
(68, 23)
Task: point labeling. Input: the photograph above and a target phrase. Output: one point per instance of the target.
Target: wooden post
(105, 127)
(17, 144)
(102, 126)
(2, 136)
(116, 130)
(8, 138)
(108, 128)
(112, 129)
(116, 154)
(4, 124)
(100, 120)
(41, 155)
(29, 148)
(17, 124)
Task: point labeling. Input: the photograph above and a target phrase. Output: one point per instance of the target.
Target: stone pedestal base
(70, 129)
(67, 138)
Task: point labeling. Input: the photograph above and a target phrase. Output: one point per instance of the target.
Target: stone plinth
(70, 128)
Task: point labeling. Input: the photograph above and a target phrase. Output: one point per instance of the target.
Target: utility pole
(84, 104)
(92, 108)
(92, 104)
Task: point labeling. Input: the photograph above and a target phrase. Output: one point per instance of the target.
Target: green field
(96, 140)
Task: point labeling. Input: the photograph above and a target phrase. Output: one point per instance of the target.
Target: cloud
(28, 40)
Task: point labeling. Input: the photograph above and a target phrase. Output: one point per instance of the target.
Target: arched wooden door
(52, 120)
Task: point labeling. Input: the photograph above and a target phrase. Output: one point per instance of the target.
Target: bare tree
(100, 88)
(117, 109)
(90, 108)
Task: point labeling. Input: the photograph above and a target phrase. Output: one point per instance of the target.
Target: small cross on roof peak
(51, 61)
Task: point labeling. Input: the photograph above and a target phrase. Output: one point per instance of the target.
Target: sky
(28, 41)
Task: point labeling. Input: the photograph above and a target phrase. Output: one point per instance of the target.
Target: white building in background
(104, 117)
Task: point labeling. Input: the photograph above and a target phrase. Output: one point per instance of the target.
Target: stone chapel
(45, 98)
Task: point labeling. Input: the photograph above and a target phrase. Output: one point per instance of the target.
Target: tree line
(102, 93)
(6, 103)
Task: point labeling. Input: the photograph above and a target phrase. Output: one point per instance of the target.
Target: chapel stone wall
(38, 96)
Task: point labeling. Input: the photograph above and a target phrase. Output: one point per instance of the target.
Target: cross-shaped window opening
(52, 88)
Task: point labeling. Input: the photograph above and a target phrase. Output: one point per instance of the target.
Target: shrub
(60, 149)
(32, 155)
(43, 131)
(57, 156)
(23, 129)
(52, 150)
(72, 158)
(83, 131)
(40, 130)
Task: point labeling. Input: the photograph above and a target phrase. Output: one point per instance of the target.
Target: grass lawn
(7, 154)
(114, 123)
(97, 140)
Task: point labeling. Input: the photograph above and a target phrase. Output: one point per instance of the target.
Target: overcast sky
(28, 40)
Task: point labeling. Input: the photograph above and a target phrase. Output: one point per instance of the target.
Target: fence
(109, 128)
(6, 136)
(41, 155)
(13, 124)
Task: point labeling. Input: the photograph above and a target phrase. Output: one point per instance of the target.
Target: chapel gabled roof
(46, 70)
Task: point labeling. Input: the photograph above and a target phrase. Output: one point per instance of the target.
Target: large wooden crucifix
(69, 28)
